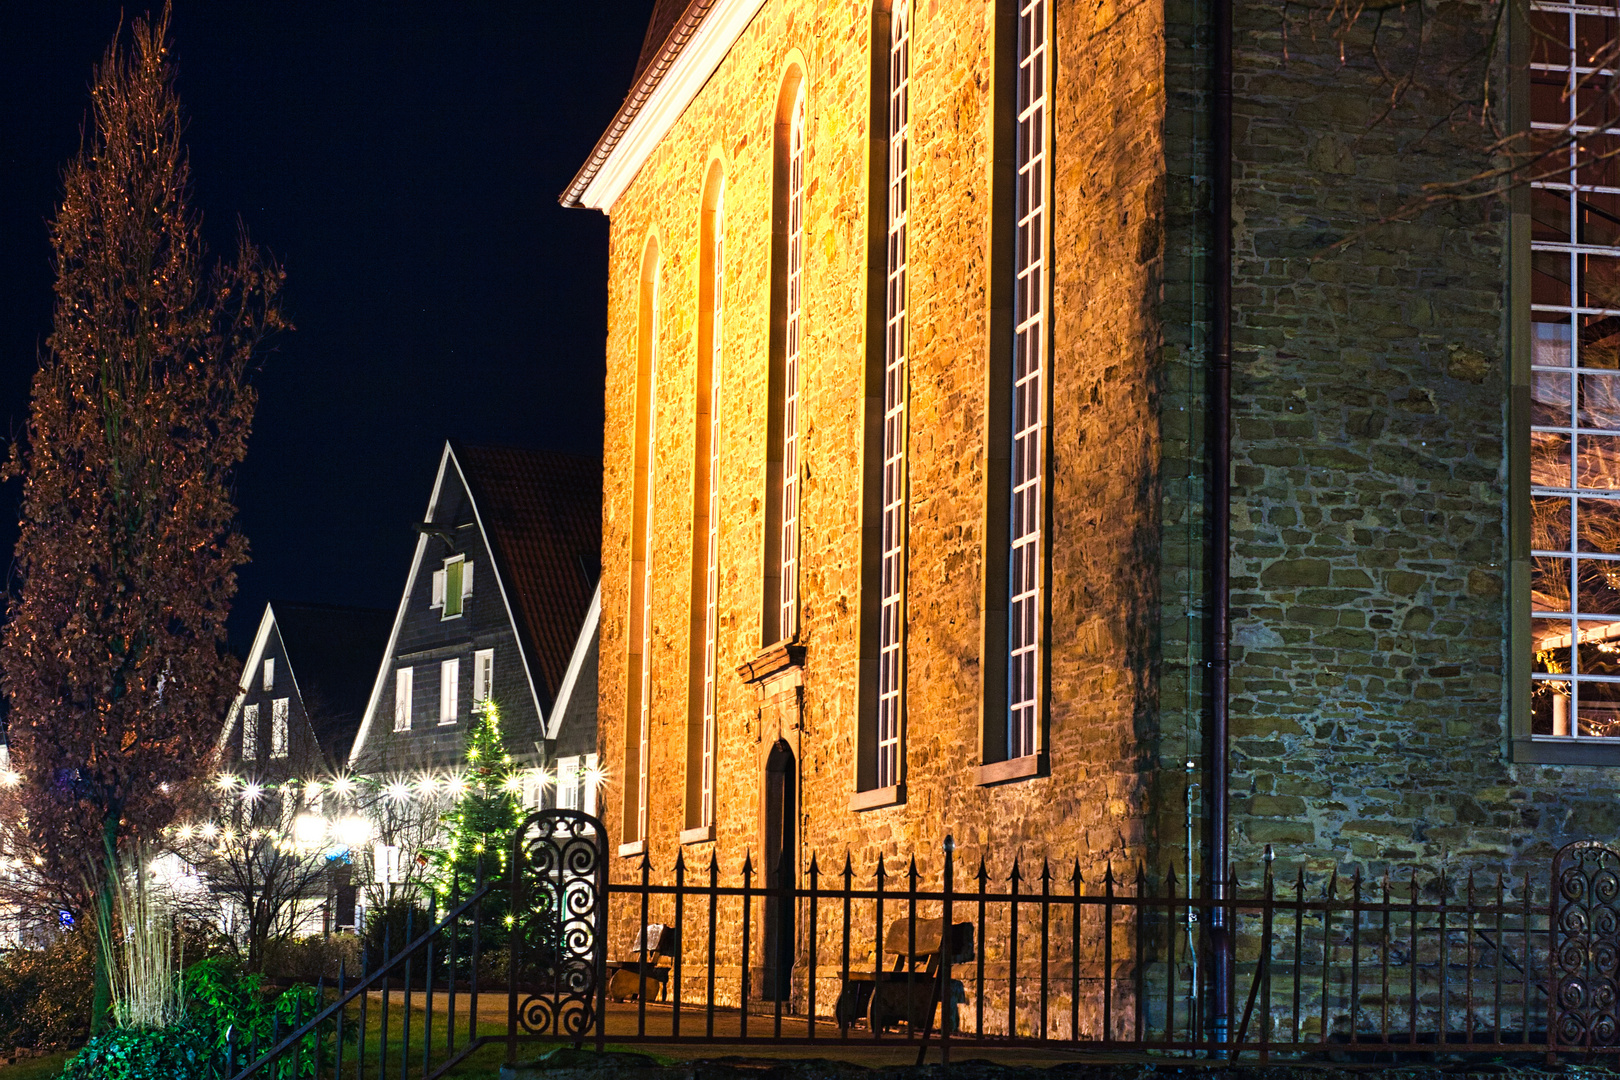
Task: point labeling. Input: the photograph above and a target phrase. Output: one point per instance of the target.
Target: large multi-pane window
(891, 618)
(787, 620)
(1029, 385)
(711, 589)
(1574, 452)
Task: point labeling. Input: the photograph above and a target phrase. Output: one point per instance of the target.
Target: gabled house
(499, 605)
(296, 722)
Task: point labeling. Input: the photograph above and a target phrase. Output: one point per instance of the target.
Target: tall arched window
(638, 704)
(700, 737)
(782, 503)
(896, 343)
(1027, 532)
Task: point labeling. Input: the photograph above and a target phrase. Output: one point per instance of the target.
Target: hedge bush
(45, 993)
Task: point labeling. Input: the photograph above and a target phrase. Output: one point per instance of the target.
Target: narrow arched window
(706, 514)
(780, 621)
(638, 711)
(1027, 558)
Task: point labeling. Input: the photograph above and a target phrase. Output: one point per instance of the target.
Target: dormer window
(452, 585)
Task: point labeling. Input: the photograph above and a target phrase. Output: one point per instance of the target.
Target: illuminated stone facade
(1373, 708)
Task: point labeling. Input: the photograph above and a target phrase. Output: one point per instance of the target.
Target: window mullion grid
(891, 629)
(1029, 390)
(712, 574)
(1566, 374)
(787, 621)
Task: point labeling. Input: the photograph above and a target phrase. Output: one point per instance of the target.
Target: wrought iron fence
(1023, 955)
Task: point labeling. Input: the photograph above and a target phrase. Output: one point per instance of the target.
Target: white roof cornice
(657, 100)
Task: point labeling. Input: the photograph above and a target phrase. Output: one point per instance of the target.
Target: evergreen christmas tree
(483, 819)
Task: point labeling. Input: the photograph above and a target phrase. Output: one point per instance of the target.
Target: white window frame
(455, 610)
(711, 579)
(449, 689)
(787, 620)
(1561, 380)
(278, 728)
(404, 681)
(437, 598)
(589, 784)
(892, 570)
(483, 676)
(1031, 253)
(270, 674)
(568, 775)
(250, 732)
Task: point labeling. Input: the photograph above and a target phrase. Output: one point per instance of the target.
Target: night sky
(402, 160)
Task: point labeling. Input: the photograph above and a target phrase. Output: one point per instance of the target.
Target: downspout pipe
(1220, 495)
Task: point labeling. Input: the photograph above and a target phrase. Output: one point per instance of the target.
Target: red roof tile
(542, 518)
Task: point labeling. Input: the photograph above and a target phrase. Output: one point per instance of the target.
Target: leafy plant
(45, 993)
(178, 1053)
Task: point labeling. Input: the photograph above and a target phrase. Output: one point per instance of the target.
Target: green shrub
(390, 919)
(310, 958)
(175, 1053)
(45, 993)
(226, 1006)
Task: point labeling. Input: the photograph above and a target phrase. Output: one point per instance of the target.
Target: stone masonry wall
(1369, 695)
(1108, 118)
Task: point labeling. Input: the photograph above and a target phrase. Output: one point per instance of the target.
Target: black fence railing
(1026, 955)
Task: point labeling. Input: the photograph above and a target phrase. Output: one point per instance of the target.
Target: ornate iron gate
(559, 930)
(1585, 929)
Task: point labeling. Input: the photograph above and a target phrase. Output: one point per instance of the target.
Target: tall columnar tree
(113, 658)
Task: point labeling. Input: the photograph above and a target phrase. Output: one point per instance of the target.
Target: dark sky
(402, 159)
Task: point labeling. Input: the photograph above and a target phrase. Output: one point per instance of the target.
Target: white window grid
(711, 585)
(278, 728)
(483, 675)
(788, 619)
(402, 699)
(250, 732)
(644, 725)
(891, 618)
(449, 684)
(1575, 429)
(568, 783)
(1030, 250)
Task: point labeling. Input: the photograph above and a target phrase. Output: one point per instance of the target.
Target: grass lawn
(40, 1068)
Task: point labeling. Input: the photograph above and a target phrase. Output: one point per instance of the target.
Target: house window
(402, 699)
(449, 684)
(706, 512)
(568, 783)
(278, 728)
(483, 676)
(1026, 560)
(250, 732)
(638, 714)
(1574, 375)
(454, 587)
(780, 622)
(891, 617)
(270, 674)
(388, 864)
(534, 789)
(590, 779)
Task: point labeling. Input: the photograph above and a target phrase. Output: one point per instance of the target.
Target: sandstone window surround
(638, 690)
(1013, 722)
(701, 674)
(1573, 444)
(781, 592)
(880, 753)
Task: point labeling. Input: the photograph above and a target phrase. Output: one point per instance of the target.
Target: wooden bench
(646, 965)
(907, 991)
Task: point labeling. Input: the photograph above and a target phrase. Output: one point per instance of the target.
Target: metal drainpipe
(1220, 465)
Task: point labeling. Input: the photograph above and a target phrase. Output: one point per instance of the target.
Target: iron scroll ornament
(558, 889)
(1585, 928)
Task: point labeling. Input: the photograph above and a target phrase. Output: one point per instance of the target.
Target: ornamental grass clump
(146, 991)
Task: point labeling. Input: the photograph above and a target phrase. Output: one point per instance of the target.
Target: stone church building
(921, 514)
